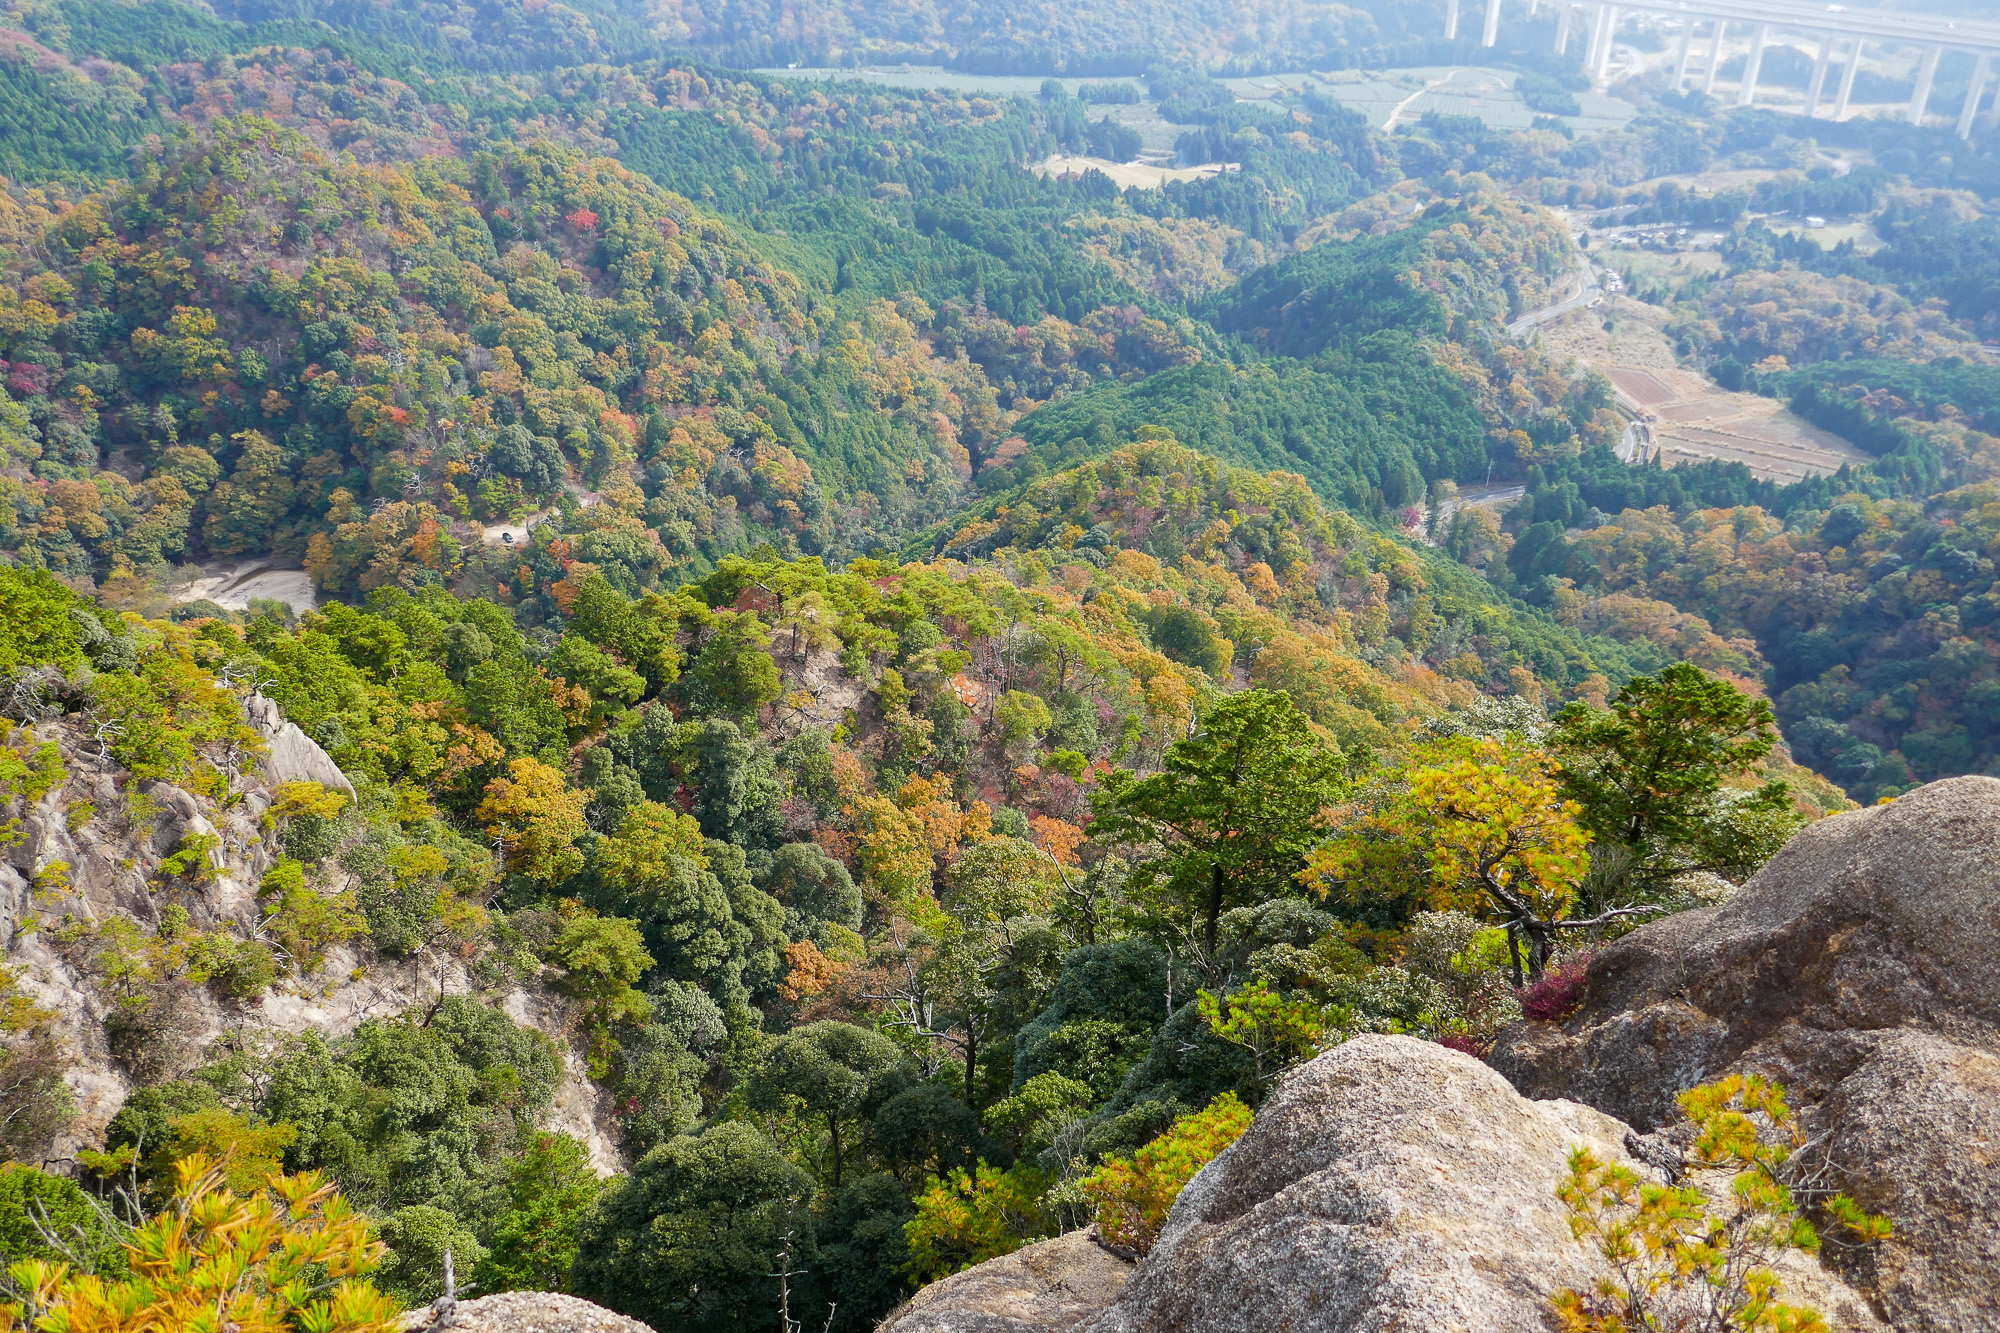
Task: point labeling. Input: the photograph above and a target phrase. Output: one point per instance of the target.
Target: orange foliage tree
(293, 1258)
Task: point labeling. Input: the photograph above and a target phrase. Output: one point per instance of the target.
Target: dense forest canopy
(908, 677)
(987, 37)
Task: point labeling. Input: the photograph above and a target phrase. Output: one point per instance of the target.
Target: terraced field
(1685, 416)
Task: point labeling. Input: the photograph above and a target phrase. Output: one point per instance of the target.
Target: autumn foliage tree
(1694, 1253)
(1482, 828)
(1134, 1194)
(536, 817)
(293, 1257)
(966, 1217)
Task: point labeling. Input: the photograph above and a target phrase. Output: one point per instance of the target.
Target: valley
(714, 667)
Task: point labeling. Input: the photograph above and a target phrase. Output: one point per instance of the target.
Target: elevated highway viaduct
(1839, 29)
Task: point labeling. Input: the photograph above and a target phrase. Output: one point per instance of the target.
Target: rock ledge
(1052, 1284)
(525, 1312)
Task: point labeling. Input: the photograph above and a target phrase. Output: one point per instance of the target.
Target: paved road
(1491, 495)
(1631, 446)
(1403, 105)
(1588, 293)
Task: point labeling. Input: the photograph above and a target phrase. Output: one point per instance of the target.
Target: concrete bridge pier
(1451, 20)
(1926, 74)
(1819, 75)
(1755, 65)
(1832, 26)
(1714, 56)
(1972, 94)
(1847, 78)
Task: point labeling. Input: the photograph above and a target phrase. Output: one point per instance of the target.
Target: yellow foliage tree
(945, 825)
(1696, 1254)
(965, 1218)
(536, 817)
(1135, 1194)
(309, 799)
(293, 1258)
(894, 850)
(1484, 828)
(650, 834)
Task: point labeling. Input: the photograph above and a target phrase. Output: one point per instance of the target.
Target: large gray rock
(291, 755)
(1392, 1184)
(1914, 1134)
(1054, 1284)
(1861, 968)
(523, 1312)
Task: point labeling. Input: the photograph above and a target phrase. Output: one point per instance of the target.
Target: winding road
(1588, 293)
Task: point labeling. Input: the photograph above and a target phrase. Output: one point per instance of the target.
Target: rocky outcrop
(1861, 968)
(1392, 1184)
(1389, 1184)
(109, 834)
(1054, 1284)
(290, 754)
(522, 1312)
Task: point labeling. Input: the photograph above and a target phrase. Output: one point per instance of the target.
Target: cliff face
(1861, 969)
(97, 848)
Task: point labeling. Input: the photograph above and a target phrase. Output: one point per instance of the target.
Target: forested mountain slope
(864, 692)
(260, 345)
(1040, 38)
(1865, 597)
(504, 35)
(288, 338)
(714, 838)
(1487, 259)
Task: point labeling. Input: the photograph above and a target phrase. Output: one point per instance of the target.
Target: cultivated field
(1122, 174)
(1688, 416)
(1395, 96)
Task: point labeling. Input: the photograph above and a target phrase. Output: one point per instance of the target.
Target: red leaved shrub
(1558, 992)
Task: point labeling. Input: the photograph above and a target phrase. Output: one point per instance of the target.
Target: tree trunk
(1514, 949)
(971, 1060)
(1214, 906)
(1541, 947)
